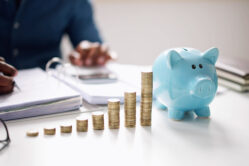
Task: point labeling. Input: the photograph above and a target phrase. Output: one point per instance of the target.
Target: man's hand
(7, 72)
(90, 54)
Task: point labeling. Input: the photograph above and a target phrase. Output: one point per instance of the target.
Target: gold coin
(66, 128)
(130, 109)
(113, 102)
(98, 120)
(49, 131)
(131, 94)
(82, 128)
(82, 124)
(32, 133)
(146, 98)
(113, 113)
(81, 121)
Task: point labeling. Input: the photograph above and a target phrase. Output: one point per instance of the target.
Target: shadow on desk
(196, 131)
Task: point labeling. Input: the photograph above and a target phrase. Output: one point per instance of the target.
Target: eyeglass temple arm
(6, 128)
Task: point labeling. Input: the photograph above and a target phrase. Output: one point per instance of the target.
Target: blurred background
(138, 30)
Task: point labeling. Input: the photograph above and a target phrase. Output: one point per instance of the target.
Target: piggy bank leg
(175, 114)
(203, 112)
(160, 105)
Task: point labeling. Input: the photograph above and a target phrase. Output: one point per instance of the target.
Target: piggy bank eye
(200, 66)
(193, 66)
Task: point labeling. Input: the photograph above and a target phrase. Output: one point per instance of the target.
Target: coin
(32, 133)
(146, 98)
(113, 113)
(49, 131)
(81, 124)
(130, 108)
(98, 120)
(66, 128)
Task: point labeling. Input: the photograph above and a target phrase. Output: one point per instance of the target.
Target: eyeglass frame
(7, 140)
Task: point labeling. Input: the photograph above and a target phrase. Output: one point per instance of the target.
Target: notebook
(232, 77)
(128, 79)
(234, 69)
(39, 94)
(233, 85)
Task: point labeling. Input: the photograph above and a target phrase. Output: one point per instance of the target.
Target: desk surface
(221, 140)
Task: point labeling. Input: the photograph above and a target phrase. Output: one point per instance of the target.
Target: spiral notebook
(39, 94)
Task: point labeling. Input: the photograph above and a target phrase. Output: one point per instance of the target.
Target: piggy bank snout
(203, 88)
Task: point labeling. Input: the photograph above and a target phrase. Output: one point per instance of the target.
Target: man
(31, 32)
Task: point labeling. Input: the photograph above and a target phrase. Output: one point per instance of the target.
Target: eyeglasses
(4, 135)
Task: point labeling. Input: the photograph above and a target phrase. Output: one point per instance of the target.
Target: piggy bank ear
(211, 55)
(173, 58)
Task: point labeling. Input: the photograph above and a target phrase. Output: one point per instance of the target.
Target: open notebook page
(36, 87)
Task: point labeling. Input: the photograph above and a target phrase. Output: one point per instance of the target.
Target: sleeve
(82, 25)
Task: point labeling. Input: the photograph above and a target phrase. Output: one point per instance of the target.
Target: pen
(15, 85)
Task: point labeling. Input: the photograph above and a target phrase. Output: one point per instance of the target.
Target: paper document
(128, 78)
(36, 89)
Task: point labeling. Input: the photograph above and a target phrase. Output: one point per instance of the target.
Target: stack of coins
(32, 133)
(82, 124)
(130, 109)
(66, 128)
(98, 120)
(146, 98)
(113, 113)
(49, 131)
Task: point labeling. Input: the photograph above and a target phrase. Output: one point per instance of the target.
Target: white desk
(221, 140)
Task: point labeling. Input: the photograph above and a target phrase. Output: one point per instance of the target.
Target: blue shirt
(30, 35)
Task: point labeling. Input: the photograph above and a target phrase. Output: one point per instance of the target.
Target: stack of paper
(39, 94)
(233, 73)
(129, 78)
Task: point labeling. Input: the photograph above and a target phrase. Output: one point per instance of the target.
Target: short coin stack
(66, 128)
(32, 133)
(113, 113)
(130, 109)
(49, 131)
(98, 120)
(146, 98)
(82, 124)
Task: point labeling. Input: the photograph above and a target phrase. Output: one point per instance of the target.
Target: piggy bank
(184, 80)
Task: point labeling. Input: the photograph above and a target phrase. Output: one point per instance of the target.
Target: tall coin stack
(113, 113)
(98, 120)
(146, 98)
(130, 109)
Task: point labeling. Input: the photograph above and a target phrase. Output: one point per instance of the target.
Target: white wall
(139, 30)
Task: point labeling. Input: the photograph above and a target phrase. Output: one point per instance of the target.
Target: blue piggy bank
(184, 80)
